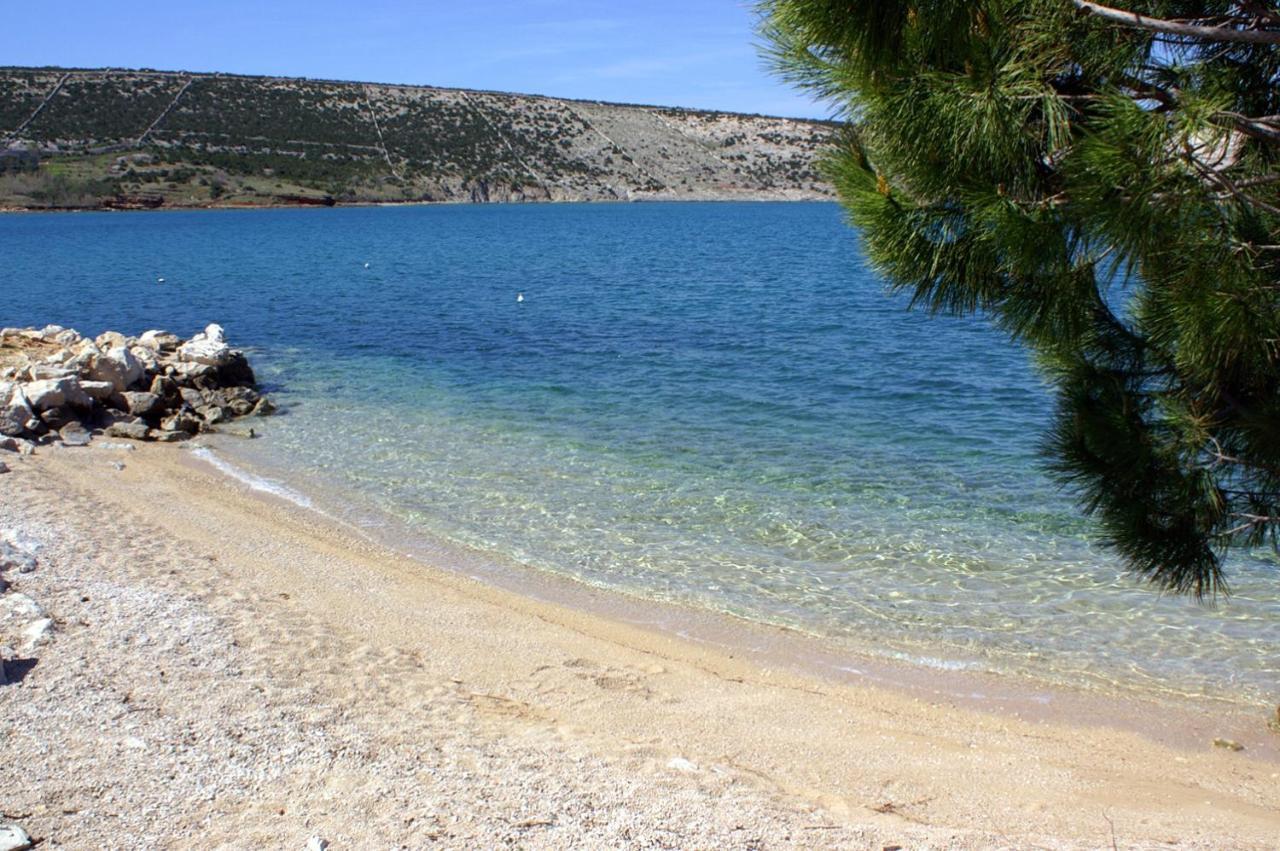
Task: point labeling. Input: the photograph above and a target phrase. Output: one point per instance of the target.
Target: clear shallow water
(712, 404)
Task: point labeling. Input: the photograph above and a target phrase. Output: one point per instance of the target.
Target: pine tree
(1104, 184)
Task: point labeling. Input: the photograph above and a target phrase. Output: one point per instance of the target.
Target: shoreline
(1189, 720)
(392, 640)
(972, 676)
(728, 199)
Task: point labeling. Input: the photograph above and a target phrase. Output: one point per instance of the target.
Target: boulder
(142, 404)
(187, 372)
(236, 372)
(56, 418)
(164, 387)
(159, 341)
(208, 352)
(68, 337)
(148, 358)
(212, 414)
(45, 371)
(162, 436)
(264, 408)
(74, 434)
(184, 420)
(16, 416)
(119, 366)
(191, 397)
(99, 390)
(51, 332)
(111, 340)
(133, 431)
(56, 392)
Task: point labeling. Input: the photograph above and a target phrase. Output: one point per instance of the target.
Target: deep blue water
(716, 404)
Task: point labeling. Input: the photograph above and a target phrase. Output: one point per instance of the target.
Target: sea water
(716, 405)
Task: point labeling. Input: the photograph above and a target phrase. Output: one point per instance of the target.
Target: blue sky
(698, 53)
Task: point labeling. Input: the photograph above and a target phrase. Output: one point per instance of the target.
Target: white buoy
(366, 265)
(519, 296)
(159, 280)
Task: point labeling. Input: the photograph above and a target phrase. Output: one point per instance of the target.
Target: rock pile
(58, 385)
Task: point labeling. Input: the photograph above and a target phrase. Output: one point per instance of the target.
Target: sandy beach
(228, 670)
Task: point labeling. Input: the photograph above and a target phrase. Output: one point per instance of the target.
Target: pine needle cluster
(1104, 183)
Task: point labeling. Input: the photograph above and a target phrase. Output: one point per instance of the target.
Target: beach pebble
(37, 633)
(13, 558)
(4, 468)
(14, 838)
(20, 605)
(1228, 744)
(315, 843)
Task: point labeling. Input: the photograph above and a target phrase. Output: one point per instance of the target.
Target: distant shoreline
(746, 199)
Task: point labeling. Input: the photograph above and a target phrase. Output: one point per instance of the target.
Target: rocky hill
(75, 138)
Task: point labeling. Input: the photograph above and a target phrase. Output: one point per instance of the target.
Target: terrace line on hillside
(177, 139)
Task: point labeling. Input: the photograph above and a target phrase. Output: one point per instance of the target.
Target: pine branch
(1159, 25)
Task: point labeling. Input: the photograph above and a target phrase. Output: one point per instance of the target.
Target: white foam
(253, 481)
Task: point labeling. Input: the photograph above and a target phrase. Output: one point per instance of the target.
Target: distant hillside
(76, 138)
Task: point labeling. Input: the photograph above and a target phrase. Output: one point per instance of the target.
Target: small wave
(254, 482)
(936, 663)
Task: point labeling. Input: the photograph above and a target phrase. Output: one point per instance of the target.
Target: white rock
(37, 633)
(679, 763)
(111, 340)
(97, 389)
(117, 365)
(16, 416)
(214, 333)
(50, 332)
(20, 606)
(146, 357)
(68, 337)
(13, 838)
(56, 392)
(316, 843)
(157, 340)
(44, 372)
(204, 351)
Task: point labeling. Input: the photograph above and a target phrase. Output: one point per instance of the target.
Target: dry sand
(230, 671)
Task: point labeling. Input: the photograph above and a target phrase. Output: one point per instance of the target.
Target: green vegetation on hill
(140, 137)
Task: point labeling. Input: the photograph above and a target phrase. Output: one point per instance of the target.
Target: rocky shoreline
(59, 386)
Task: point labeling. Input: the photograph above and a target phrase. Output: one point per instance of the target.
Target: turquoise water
(714, 404)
